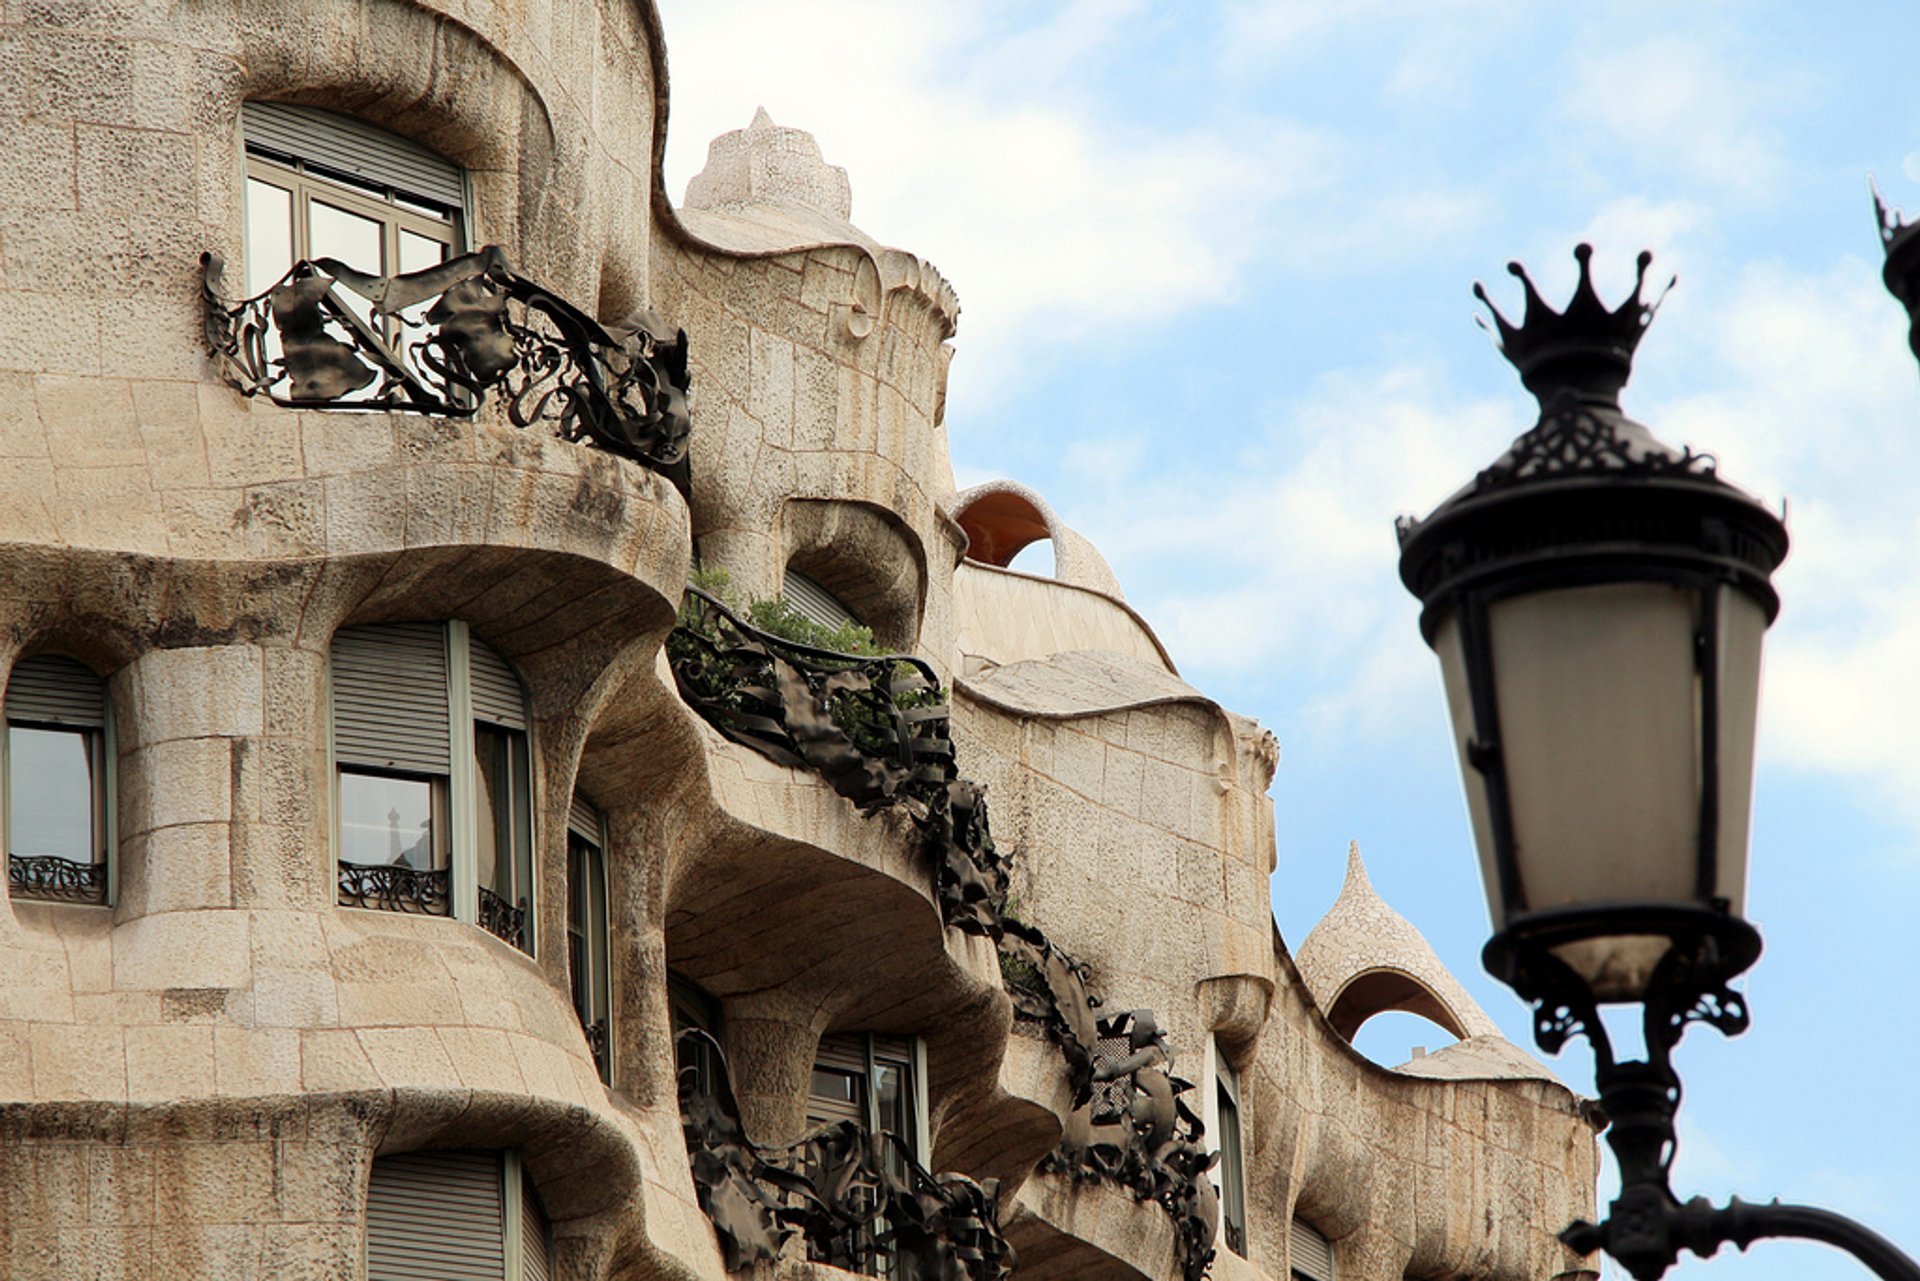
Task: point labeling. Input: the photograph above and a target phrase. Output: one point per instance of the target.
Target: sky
(1215, 261)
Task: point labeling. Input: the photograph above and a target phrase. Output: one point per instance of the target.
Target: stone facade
(199, 1075)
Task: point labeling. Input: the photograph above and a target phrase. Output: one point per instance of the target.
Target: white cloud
(982, 155)
(1679, 107)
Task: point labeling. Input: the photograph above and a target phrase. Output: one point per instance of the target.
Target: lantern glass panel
(1449, 646)
(1598, 699)
(1743, 626)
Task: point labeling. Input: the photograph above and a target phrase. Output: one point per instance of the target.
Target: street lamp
(1597, 600)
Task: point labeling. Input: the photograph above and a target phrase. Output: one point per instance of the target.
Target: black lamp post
(1597, 600)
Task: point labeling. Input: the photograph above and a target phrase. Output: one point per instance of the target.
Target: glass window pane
(358, 242)
(388, 820)
(51, 791)
(333, 232)
(502, 834)
(269, 234)
(418, 252)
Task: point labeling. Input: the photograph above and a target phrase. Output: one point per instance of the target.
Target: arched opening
(999, 524)
(1390, 1016)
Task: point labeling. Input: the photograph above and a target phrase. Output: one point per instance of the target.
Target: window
(414, 833)
(816, 602)
(56, 781)
(455, 1216)
(1232, 1175)
(690, 1006)
(587, 929)
(322, 185)
(877, 1082)
(1311, 1253)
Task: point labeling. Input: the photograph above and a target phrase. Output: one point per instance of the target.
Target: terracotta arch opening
(1000, 524)
(1376, 991)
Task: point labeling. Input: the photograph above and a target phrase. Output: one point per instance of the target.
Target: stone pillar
(770, 1062)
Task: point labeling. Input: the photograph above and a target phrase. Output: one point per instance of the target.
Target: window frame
(305, 182)
(102, 787)
(594, 938)
(1230, 1142)
(460, 787)
(691, 1006)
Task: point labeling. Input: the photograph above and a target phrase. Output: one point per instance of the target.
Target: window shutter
(435, 1216)
(390, 697)
(497, 694)
(536, 1262)
(1312, 1253)
(815, 601)
(352, 148)
(56, 690)
(583, 820)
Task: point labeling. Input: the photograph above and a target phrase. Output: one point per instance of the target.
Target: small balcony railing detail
(505, 921)
(441, 340)
(395, 887)
(56, 879)
(858, 1200)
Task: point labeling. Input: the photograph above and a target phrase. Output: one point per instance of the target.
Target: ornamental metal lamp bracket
(1598, 601)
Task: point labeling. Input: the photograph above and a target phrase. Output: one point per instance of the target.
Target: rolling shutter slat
(353, 147)
(815, 601)
(57, 690)
(497, 695)
(390, 697)
(535, 1261)
(1312, 1253)
(583, 820)
(435, 1216)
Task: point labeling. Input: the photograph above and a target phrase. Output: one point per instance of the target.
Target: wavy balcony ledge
(442, 340)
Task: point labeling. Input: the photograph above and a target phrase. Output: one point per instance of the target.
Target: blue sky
(1214, 263)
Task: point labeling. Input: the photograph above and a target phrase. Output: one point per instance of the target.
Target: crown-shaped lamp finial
(1901, 241)
(1586, 350)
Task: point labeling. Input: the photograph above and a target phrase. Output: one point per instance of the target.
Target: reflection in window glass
(269, 234)
(51, 790)
(388, 820)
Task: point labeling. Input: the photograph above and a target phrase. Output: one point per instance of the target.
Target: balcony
(445, 340)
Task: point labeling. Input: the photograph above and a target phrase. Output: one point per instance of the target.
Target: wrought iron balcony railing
(441, 340)
(858, 1200)
(505, 921)
(873, 726)
(56, 879)
(395, 887)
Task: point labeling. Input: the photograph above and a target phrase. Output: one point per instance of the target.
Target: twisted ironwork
(395, 887)
(441, 340)
(875, 727)
(505, 921)
(858, 1200)
(56, 879)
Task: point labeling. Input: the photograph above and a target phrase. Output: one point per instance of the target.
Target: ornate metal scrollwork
(1570, 437)
(856, 1200)
(395, 887)
(1136, 1131)
(56, 879)
(873, 726)
(505, 921)
(439, 341)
